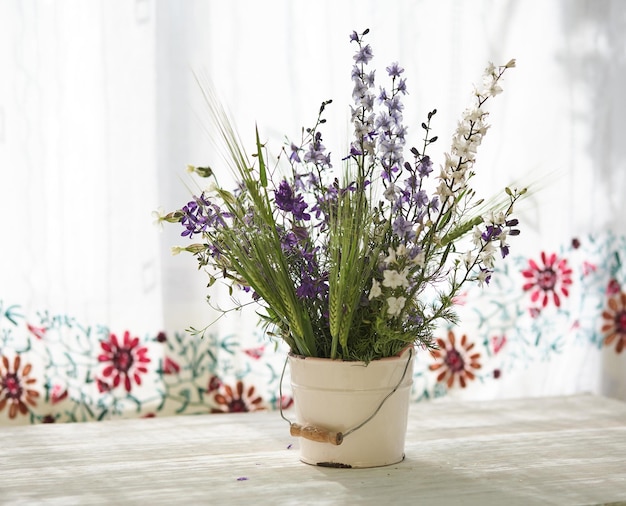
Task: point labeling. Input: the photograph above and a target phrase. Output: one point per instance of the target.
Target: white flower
(420, 259)
(494, 218)
(477, 237)
(487, 256)
(494, 90)
(177, 250)
(395, 305)
(394, 279)
(444, 192)
(401, 251)
(482, 277)
(391, 258)
(391, 192)
(375, 291)
(158, 216)
(468, 259)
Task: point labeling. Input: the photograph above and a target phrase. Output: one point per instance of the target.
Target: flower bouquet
(357, 258)
(352, 262)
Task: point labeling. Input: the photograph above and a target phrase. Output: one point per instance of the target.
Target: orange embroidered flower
(614, 327)
(15, 387)
(455, 362)
(237, 401)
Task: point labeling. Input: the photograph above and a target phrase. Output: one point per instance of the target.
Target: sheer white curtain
(78, 154)
(100, 113)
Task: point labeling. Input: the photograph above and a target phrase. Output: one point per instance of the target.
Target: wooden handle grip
(316, 434)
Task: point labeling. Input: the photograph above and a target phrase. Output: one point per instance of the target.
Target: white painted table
(562, 451)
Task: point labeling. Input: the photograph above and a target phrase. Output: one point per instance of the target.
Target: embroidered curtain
(100, 112)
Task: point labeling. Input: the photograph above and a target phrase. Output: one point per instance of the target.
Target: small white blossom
(444, 192)
(394, 279)
(477, 237)
(468, 259)
(212, 188)
(158, 216)
(395, 305)
(487, 256)
(420, 259)
(391, 192)
(391, 258)
(482, 277)
(375, 291)
(177, 250)
(401, 251)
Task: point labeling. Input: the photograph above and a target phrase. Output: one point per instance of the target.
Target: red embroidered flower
(613, 287)
(214, 384)
(15, 387)
(497, 342)
(57, 394)
(127, 360)
(614, 327)
(170, 366)
(237, 401)
(255, 353)
(455, 362)
(285, 402)
(554, 278)
(38, 332)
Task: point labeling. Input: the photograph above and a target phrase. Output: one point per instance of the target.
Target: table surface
(561, 450)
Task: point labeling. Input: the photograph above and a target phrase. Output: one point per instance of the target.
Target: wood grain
(561, 451)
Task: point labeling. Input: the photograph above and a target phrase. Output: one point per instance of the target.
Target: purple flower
(295, 157)
(491, 233)
(288, 241)
(200, 214)
(394, 104)
(364, 54)
(284, 196)
(383, 121)
(402, 227)
(394, 70)
(316, 153)
(421, 199)
(401, 86)
(359, 91)
(425, 167)
(307, 289)
(388, 172)
(382, 96)
(370, 78)
(288, 202)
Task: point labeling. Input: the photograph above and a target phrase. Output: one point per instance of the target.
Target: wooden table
(562, 451)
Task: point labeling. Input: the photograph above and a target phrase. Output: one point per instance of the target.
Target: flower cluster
(355, 262)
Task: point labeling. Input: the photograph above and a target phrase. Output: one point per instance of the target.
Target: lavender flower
(287, 201)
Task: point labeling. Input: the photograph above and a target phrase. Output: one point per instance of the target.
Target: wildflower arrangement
(353, 259)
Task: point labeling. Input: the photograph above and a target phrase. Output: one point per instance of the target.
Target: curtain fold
(100, 112)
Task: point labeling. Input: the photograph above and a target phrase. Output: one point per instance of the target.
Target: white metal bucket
(361, 409)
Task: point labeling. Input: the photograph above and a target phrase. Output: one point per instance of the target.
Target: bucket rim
(400, 356)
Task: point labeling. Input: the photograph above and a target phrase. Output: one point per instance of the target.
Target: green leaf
(259, 153)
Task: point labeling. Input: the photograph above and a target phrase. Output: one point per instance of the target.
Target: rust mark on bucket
(334, 464)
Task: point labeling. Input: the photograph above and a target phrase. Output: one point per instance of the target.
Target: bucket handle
(323, 435)
(316, 434)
